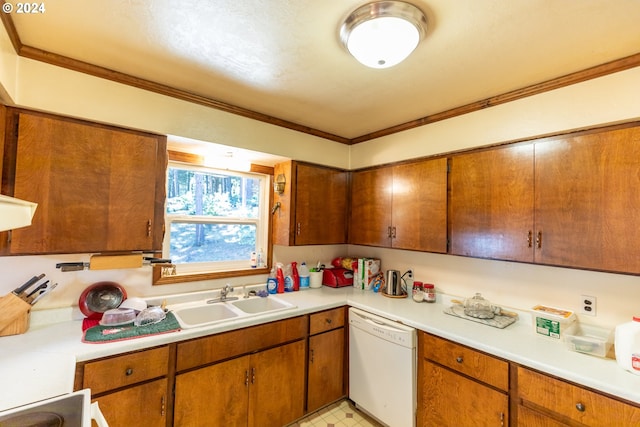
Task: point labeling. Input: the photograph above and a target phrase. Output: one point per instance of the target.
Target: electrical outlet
(588, 305)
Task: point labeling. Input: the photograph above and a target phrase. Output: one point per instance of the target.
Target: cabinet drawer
(465, 360)
(326, 320)
(573, 402)
(120, 371)
(203, 351)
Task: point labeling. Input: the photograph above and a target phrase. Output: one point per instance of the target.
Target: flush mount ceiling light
(383, 33)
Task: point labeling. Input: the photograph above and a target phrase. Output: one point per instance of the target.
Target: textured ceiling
(282, 58)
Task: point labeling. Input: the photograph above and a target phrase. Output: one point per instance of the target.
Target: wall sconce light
(278, 185)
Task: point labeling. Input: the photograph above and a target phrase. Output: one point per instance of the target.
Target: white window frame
(261, 223)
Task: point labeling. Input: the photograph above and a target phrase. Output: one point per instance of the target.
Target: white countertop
(41, 363)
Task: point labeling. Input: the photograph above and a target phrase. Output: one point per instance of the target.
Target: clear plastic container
(628, 345)
(118, 316)
(588, 339)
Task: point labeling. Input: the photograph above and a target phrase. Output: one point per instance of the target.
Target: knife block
(14, 315)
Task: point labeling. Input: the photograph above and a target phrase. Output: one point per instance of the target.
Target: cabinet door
(214, 396)
(572, 403)
(321, 205)
(449, 399)
(491, 204)
(142, 405)
(587, 204)
(419, 210)
(371, 207)
(276, 392)
(528, 417)
(326, 369)
(95, 187)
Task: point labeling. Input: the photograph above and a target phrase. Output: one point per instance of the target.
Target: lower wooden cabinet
(529, 417)
(326, 369)
(261, 390)
(547, 401)
(459, 386)
(142, 405)
(131, 389)
(326, 361)
(450, 399)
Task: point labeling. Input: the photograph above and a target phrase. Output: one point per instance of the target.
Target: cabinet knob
(459, 359)
(128, 372)
(580, 406)
(328, 321)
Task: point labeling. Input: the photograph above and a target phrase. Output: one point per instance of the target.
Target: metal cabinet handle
(253, 375)
(128, 372)
(149, 228)
(530, 239)
(580, 406)
(246, 377)
(539, 240)
(298, 227)
(162, 406)
(312, 354)
(459, 359)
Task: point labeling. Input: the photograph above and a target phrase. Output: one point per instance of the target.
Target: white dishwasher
(382, 374)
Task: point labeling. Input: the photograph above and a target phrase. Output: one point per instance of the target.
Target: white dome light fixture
(383, 33)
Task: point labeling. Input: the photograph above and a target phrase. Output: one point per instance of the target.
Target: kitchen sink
(260, 305)
(207, 312)
(199, 315)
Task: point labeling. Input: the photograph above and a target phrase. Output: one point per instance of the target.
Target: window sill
(158, 279)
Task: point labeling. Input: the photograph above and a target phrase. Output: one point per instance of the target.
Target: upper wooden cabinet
(491, 203)
(313, 207)
(567, 201)
(98, 188)
(586, 200)
(402, 206)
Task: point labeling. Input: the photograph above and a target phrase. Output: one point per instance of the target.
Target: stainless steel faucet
(225, 291)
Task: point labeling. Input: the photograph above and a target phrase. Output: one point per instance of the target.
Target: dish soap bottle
(272, 282)
(288, 279)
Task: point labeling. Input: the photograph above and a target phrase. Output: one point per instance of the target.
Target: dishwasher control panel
(380, 327)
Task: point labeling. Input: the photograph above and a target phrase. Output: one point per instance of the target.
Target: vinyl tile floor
(339, 414)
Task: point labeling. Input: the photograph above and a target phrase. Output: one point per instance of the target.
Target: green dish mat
(104, 334)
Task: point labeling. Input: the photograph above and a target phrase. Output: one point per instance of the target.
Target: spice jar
(418, 294)
(429, 292)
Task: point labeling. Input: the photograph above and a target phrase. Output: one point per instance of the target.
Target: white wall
(605, 100)
(608, 99)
